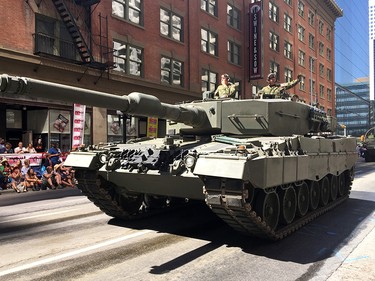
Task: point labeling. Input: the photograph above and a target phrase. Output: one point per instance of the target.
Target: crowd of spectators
(22, 177)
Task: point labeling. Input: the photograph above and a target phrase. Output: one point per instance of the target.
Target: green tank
(266, 167)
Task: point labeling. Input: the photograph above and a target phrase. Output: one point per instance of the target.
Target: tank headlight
(189, 161)
(103, 158)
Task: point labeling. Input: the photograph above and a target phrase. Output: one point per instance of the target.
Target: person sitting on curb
(16, 178)
(32, 181)
(6, 170)
(62, 178)
(47, 178)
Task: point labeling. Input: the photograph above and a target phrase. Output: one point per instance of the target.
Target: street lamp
(343, 126)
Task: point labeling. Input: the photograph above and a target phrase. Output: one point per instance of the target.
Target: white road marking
(41, 215)
(73, 253)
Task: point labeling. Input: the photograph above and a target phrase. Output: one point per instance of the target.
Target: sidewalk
(360, 263)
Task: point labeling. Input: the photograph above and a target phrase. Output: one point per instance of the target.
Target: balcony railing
(50, 45)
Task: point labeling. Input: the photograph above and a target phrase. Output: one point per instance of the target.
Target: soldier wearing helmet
(276, 90)
(226, 89)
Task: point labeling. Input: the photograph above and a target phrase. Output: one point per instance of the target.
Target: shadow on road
(314, 242)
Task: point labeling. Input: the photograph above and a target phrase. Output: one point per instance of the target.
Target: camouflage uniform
(226, 91)
(277, 90)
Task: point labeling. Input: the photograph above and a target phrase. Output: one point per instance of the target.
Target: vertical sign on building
(255, 40)
(78, 125)
(152, 127)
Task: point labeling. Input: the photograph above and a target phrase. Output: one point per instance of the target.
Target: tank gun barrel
(135, 103)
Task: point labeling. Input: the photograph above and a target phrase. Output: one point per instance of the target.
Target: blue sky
(351, 41)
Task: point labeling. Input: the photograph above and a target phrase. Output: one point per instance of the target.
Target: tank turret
(266, 167)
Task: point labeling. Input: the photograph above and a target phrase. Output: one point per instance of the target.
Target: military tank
(265, 167)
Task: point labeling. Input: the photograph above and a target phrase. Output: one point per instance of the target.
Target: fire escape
(93, 49)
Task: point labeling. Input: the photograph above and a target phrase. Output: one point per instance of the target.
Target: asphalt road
(60, 235)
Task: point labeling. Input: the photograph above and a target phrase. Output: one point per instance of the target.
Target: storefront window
(14, 119)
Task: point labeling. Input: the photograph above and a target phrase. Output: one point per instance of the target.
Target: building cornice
(334, 8)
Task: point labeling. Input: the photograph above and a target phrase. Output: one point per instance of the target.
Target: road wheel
(314, 193)
(342, 184)
(324, 191)
(302, 199)
(334, 187)
(288, 202)
(268, 208)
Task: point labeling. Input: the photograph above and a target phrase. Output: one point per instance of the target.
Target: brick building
(172, 49)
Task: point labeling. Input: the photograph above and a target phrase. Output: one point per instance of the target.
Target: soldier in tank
(276, 90)
(226, 89)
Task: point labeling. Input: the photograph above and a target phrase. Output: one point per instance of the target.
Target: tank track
(90, 185)
(104, 196)
(232, 208)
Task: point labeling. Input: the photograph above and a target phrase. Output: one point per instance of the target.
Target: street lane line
(41, 215)
(73, 253)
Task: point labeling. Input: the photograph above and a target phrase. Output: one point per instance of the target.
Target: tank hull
(244, 181)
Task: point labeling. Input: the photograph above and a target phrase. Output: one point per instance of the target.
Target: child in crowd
(25, 167)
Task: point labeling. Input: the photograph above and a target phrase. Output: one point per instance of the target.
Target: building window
(210, 6)
(301, 33)
(302, 83)
(273, 12)
(301, 57)
(172, 71)
(321, 69)
(52, 37)
(329, 112)
(329, 54)
(301, 8)
(288, 50)
(312, 64)
(287, 23)
(289, 2)
(288, 74)
(321, 49)
(171, 25)
(128, 58)
(311, 41)
(329, 74)
(329, 33)
(311, 18)
(233, 17)
(130, 10)
(234, 53)
(321, 91)
(274, 68)
(312, 87)
(209, 42)
(209, 80)
(329, 94)
(321, 27)
(274, 41)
